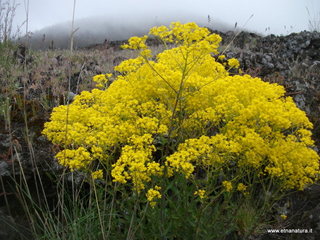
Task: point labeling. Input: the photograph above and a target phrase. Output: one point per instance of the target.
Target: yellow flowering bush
(181, 112)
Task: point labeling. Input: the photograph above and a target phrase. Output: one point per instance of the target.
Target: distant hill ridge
(98, 29)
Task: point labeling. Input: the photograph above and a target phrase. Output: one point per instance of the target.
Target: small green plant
(193, 143)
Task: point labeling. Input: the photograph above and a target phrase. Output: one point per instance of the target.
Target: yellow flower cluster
(135, 162)
(227, 185)
(188, 35)
(221, 57)
(181, 112)
(233, 63)
(205, 151)
(74, 159)
(283, 216)
(102, 80)
(153, 194)
(97, 174)
(136, 43)
(201, 193)
(243, 188)
(252, 124)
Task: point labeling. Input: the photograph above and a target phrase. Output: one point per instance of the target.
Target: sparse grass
(7, 14)
(314, 20)
(45, 76)
(31, 85)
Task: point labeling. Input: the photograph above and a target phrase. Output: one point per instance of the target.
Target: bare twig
(73, 31)
(7, 14)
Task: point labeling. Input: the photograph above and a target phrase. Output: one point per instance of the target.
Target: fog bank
(95, 30)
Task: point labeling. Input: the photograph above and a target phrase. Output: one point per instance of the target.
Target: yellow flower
(241, 187)
(135, 162)
(74, 159)
(233, 63)
(221, 57)
(102, 80)
(283, 216)
(153, 194)
(227, 185)
(136, 43)
(201, 193)
(97, 174)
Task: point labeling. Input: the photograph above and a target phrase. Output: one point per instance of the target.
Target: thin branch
(72, 27)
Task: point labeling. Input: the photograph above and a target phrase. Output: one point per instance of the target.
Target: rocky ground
(293, 61)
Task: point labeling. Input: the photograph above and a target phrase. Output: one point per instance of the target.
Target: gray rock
(4, 169)
(70, 96)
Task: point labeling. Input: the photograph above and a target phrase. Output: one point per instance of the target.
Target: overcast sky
(281, 16)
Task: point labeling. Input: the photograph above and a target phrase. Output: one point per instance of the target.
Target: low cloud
(96, 29)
